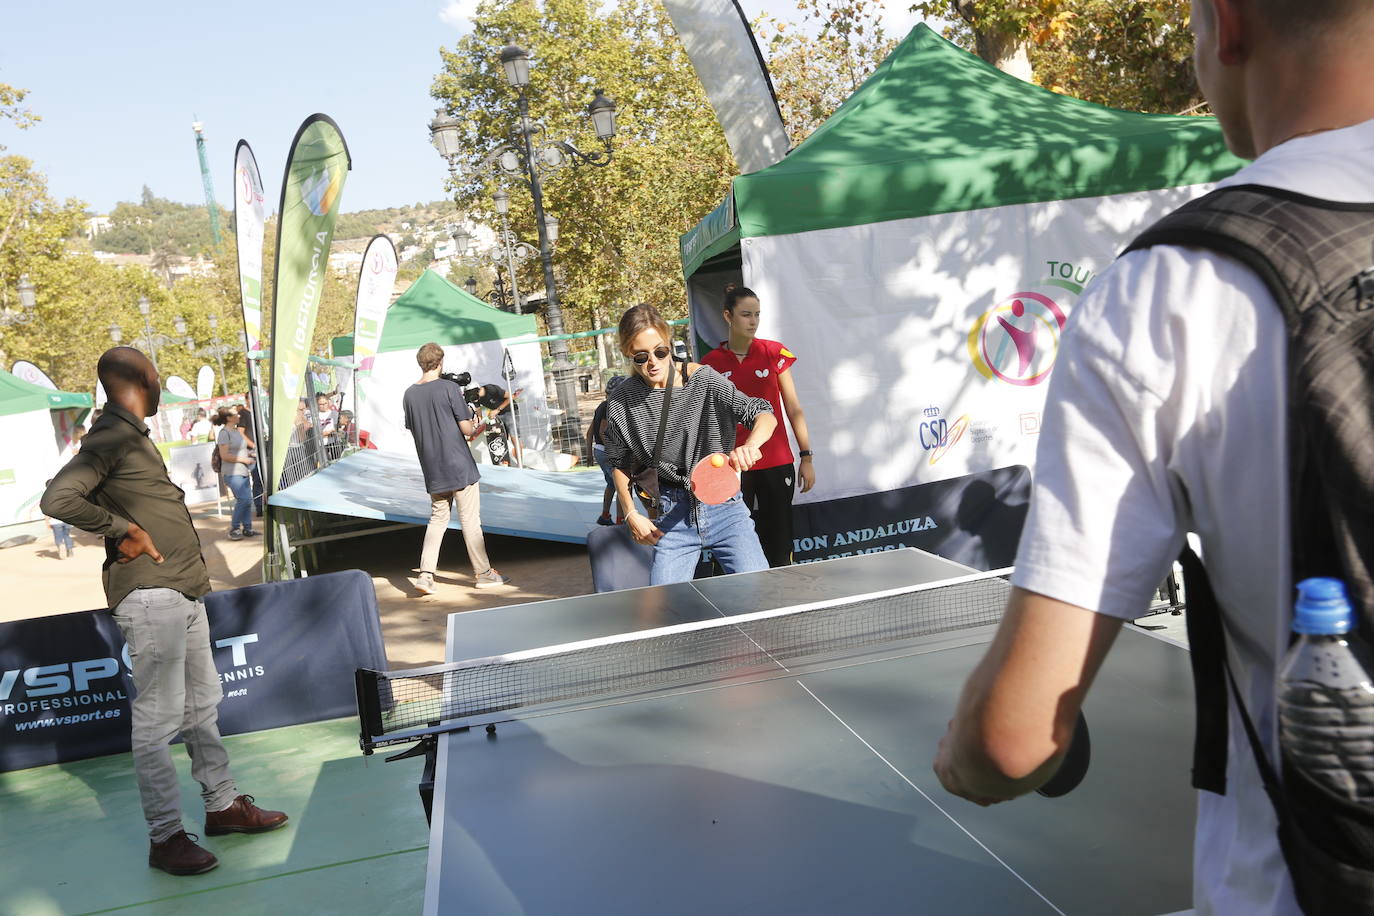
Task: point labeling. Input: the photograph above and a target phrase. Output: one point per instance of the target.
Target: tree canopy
(619, 224)
(822, 59)
(1132, 54)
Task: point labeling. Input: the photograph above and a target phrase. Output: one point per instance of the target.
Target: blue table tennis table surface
(802, 794)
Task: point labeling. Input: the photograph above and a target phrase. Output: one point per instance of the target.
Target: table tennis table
(804, 792)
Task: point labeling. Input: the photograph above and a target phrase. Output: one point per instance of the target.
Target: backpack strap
(1231, 222)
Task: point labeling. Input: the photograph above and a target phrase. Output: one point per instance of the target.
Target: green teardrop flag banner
(310, 198)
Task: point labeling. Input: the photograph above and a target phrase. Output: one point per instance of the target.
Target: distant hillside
(363, 224)
(156, 224)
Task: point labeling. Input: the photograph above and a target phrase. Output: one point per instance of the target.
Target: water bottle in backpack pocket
(1326, 740)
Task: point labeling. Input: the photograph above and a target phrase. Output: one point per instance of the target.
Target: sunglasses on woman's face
(642, 356)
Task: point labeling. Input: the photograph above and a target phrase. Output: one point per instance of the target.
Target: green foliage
(619, 224)
(364, 224)
(11, 99)
(817, 63)
(156, 224)
(79, 298)
(1135, 55)
(1132, 54)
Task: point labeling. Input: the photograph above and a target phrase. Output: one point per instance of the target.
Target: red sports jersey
(757, 376)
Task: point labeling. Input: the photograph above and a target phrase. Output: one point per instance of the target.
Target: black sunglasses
(642, 356)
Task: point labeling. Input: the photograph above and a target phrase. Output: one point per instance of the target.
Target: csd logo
(934, 434)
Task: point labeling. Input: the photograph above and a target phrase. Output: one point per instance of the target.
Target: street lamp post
(28, 303)
(216, 348)
(150, 339)
(511, 250)
(521, 157)
(501, 200)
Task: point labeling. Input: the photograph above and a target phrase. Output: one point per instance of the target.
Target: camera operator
(435, 415)
(500, 406)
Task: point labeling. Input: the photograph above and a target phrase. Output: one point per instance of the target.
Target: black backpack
(1317, 258)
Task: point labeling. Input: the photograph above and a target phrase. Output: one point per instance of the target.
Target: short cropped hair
(638, 318)
(1308, 19)
(430, 357)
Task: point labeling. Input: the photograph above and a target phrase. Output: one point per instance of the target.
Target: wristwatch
(805, 453)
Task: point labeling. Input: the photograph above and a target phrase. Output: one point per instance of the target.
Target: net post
(365, 684)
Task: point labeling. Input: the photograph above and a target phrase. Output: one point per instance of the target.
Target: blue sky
(118, 85)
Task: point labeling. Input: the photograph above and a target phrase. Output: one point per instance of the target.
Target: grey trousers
(469, 516)
(177, 691)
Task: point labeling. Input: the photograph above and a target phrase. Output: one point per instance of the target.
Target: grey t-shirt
(238, 447)
(433, 411)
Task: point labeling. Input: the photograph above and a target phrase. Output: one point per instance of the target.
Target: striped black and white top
(702, 420)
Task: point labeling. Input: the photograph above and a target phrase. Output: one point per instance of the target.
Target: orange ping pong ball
(717, 461)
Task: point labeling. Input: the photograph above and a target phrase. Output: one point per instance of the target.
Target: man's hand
(745, 457)
(643, 530)
(948, 770)
(1017, 712)
(137, 543)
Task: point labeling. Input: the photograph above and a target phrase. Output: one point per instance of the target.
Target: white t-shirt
(1170, 381)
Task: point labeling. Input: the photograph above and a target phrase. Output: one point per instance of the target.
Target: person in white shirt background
(201, 429)
(1166, 415)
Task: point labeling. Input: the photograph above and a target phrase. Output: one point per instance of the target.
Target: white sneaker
(425, 583)
(491, 579)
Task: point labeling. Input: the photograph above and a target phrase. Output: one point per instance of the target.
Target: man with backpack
(1175, 408)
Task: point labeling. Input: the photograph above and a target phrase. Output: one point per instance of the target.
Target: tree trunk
(1003, 50)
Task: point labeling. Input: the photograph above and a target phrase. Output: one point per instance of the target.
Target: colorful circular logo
(1017, 340)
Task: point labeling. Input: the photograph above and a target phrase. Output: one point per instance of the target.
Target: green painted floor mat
(73, 840)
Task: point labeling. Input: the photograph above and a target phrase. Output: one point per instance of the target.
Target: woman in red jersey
(761, 368)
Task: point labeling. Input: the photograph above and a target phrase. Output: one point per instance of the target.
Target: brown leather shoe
(179, 855)
(242, 817)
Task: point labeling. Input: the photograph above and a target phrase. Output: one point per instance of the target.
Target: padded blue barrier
(286, 653)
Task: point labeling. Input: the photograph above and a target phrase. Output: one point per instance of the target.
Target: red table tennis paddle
(1074, 766)
(714, 479)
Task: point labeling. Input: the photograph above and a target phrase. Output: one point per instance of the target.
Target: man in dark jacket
(155, 579)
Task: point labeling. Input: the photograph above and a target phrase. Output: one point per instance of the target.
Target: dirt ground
(35, 582)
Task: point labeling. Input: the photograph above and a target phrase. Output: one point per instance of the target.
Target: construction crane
(210, 203)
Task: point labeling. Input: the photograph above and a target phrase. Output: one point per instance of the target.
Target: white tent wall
(380, 391)
(26, 467)
(890, 322)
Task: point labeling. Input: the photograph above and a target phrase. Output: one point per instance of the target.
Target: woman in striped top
(704, 411)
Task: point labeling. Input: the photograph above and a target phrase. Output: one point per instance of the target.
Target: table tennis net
(399, 706)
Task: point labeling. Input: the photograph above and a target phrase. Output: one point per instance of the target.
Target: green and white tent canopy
(474, 336)
(36, 424)
(920, 253)
(19, 396)
(937, 130)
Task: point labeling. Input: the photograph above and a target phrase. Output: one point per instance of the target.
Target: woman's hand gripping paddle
(1074, 766)
(714, 479)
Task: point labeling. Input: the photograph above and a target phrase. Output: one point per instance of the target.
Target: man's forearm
(66, 500)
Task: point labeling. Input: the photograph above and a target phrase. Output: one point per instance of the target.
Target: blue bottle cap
(1323, 608)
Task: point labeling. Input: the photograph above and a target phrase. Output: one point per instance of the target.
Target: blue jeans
(62, 536)
(242, 489)
(726, 529)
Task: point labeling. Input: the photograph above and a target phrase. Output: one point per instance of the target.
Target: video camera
(458, 378)
(462, 379)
